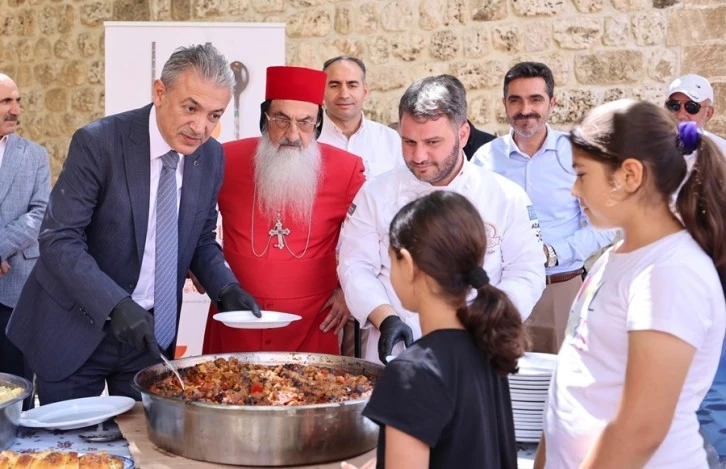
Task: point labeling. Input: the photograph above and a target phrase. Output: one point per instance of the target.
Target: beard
(443, 169)
(287, 178)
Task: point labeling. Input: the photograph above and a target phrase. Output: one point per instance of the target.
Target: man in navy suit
(89, 314)
(24, 189)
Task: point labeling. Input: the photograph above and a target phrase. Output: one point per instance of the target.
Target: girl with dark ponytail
(444, 402)
(645, 333)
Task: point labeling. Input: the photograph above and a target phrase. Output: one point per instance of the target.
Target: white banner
(135, 55)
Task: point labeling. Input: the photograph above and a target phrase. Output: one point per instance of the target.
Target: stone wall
(599, 49)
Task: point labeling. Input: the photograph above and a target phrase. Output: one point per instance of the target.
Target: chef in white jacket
(434, 130)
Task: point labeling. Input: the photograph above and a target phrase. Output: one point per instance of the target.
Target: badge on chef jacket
(534, 222)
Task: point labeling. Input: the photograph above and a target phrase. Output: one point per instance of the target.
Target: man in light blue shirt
(539, 159)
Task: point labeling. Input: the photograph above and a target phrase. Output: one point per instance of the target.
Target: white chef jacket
(514, 259)
(377, 145)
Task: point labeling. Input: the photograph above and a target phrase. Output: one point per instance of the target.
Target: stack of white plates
(528, 390)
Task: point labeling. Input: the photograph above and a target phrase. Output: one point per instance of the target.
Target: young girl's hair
(446, 237)
(624, 129)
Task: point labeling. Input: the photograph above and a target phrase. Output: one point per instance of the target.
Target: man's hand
(338, 314)
(393, 330)
(132, 324)
(233, 298)
(197, 285)
(4, 268)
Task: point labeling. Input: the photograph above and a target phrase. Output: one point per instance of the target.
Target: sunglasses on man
(691, 107)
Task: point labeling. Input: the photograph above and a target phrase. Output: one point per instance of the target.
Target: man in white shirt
(345, 126)
(690, 98)
(434, 130)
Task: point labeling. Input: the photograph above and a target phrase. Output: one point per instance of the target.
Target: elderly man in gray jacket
(24, 191)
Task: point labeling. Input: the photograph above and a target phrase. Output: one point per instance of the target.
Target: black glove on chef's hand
(393, 330)
(233, 298)
(132, 324)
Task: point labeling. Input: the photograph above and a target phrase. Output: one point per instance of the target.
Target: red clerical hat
(296, 83)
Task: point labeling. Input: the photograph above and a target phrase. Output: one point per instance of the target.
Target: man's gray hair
(205, 60)
(433, 97)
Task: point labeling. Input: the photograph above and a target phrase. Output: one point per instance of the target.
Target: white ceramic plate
(76, 413)
(537, 364)
(247, 320)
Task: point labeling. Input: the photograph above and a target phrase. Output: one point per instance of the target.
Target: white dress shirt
(144, 292)
(3, 145)
(514, 260)
(377, 145)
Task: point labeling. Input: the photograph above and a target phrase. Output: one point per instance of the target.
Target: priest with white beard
(283, 200)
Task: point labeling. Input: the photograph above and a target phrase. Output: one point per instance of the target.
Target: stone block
(382, 108)
(614, 67)
(42, 50)
(456, 12)
(23, 74)
(538, 7)
(537, 37)
(309, 23)
(665, 3)
(386, 78)
(717, 125)
(420, 70)
(26, 23)
(23, 49)
(477, 75)
(96, 72)
(70, 122)
(649, 28)
(481, 110)
(87, 44)
(64, 48)
(488, 10)
(343, 19)
(430, 13)
(477, 44)
(313, 53)
(74, 73)
(33, 98)
(181, 10)
(48, 20)
(707, 60)
(305, 3)
(588, 6)
(209, 8)
(613, 94)
(237, 7)
(84, 99)
(653, 93)
(444, 45)
(95, 13)
(719, 97)
(578, 33)
(367, 20)
(350, 47)
(66, 18)
(379, 49)
(662, 65)
(573, 104)
(397, 16)
(691, 26)
(408, 47)
(56, 100)
(507, 39)
(631, 5)
(616, 31)
(160, 10)
(560, 65)
(131, 10)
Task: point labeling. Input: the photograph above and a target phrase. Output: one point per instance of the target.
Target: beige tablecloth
(148, 456)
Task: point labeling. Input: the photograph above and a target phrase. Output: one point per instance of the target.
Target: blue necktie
(167, 250)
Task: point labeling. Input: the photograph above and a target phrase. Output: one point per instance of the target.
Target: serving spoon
(173, 370)
(241, 80)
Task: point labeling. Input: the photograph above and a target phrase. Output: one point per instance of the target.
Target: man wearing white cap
(690, 98)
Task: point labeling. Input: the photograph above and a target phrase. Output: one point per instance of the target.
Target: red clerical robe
(277, 279)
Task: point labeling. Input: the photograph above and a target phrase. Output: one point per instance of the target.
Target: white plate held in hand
(247, 320)
(76, 413)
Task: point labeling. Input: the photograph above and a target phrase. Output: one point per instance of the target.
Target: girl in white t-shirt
(645, 332)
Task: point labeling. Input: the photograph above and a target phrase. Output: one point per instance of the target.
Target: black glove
(393, 330)
(233, 298)
(132, 324)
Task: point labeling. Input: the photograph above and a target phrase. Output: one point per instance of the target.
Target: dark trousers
(113, 363)
(11, 358)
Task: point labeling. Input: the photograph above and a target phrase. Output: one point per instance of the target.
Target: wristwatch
(551, 256)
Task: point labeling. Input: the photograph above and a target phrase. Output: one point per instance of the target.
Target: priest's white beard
(286, 179)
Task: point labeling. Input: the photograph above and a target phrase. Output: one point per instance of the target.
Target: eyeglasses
(283, 123)
(691, 107)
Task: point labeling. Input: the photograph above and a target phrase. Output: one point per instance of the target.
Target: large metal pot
(259, 435)
(10, 410)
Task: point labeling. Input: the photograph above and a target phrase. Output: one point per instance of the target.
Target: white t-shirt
(671, 286)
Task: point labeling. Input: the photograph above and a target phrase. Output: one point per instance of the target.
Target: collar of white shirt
(328, 122)
(550, 142)
(157, 145)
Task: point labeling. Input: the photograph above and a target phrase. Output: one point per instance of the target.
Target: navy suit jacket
(92, 240)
